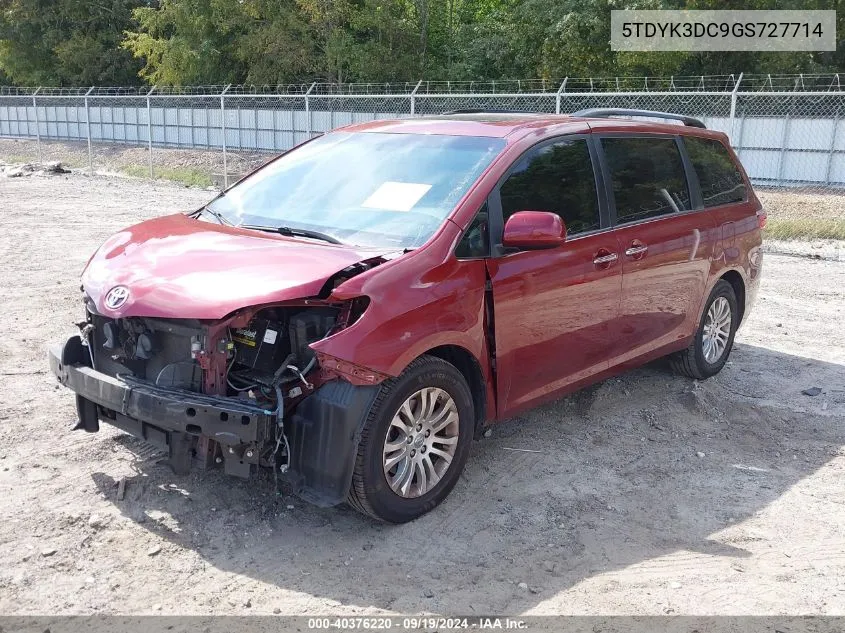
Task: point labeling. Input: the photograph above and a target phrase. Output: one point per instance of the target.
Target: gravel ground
(647, 494)
(816, 249)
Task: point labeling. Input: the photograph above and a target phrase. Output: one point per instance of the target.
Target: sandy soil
(648, 494)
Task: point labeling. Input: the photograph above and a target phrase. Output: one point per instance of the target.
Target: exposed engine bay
(263, 358)
(156, 350)
(273, 349)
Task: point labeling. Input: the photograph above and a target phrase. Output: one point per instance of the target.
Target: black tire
(691, 361)
(370, 491)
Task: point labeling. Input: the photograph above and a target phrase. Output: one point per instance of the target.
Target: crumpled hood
(178, 267)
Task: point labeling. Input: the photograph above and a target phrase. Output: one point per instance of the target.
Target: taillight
(761, 217)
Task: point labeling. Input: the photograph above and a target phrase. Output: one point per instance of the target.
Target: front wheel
(414, 443)
(714, 338)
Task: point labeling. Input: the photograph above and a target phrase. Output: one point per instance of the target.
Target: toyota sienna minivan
(355, 311)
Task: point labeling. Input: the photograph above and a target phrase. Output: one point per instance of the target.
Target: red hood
(178, 267)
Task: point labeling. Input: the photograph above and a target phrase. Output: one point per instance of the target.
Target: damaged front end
(244, 391)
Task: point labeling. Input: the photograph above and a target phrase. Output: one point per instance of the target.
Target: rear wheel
(714, 338)
(414, 443)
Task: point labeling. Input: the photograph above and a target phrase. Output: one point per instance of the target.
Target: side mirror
(533, 230)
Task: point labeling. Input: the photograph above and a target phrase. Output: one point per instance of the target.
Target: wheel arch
(734, 278)
(465, 362)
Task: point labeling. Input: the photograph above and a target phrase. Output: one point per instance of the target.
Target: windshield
(367, 189)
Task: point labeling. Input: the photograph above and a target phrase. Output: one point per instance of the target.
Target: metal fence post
(559, 92)
(832, 147)
(37, 125)
(308, 111)
(223, 132)
(414, 97)
(738, 143)
(88, 130)
(150, 131)
(783, 140)
(733, 104)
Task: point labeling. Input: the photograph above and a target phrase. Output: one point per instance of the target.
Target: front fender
(404, 320)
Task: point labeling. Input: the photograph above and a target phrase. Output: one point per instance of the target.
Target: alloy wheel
(421, 442)
(717, 330)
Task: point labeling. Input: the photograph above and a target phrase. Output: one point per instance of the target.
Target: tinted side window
(557, 178)
(648, 178)
(476, 241)
(721, 182)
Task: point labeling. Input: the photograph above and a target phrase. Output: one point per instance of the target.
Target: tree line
(196, 42)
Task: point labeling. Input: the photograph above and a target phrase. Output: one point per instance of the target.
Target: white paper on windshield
(396, 196)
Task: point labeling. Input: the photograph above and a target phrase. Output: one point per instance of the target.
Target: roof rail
(486, 111)
(609, 112)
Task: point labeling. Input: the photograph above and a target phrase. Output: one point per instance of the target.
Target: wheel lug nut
(419, 427)
(410, 439)
(422, 449)
(427, 433)
(413, 452)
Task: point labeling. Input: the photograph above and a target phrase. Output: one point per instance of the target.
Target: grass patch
(184, 175)
(805, 229)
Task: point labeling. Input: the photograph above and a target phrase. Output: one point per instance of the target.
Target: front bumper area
(160, 415)
(323, 430)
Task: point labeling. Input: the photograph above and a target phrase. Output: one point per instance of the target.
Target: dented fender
(414, 307)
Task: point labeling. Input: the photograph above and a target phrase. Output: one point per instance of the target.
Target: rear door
(723, 192)
(666, 241)
(554, 308)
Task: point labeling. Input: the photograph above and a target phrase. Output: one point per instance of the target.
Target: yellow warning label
(245, 341)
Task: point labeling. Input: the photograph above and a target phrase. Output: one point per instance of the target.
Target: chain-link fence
(788, 130)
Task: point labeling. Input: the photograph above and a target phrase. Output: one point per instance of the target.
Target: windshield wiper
(219, 216)
(292, 232)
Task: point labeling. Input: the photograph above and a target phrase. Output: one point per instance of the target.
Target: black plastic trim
(323, 434)
(603, 113)
(693, 184)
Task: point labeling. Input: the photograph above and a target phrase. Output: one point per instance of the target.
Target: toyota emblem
(116, 297)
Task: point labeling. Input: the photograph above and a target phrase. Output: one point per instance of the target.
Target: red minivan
(354, 312)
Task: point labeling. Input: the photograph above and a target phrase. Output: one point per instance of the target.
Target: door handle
(605, 259)
(637, 250)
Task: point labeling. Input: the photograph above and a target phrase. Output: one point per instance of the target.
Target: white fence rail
(785, 138)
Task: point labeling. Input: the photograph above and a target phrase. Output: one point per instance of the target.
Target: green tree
(182, 42)
(279, 47)
(189, 41)
(66, 42)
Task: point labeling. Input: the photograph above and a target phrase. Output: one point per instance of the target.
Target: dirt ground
(117, 159)
(648, 494)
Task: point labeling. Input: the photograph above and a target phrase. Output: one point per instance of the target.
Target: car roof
(518, 125)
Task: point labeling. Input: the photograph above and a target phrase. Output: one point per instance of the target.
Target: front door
(554, 309)
(665, 247)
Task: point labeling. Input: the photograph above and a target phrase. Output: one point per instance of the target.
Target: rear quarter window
(721, 182)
